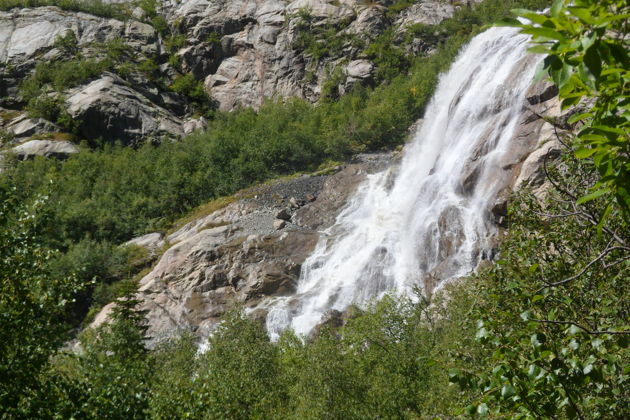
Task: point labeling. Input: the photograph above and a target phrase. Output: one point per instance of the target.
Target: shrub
(67, 42)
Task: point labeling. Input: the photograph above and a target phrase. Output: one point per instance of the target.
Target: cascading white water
(432, 222)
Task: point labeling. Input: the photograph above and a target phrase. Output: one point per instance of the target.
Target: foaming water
(428, 221)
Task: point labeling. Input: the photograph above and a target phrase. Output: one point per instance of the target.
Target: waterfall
(428, 220)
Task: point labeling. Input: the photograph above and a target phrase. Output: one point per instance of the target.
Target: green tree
(32, 305)
(238, 376)
(115, 366)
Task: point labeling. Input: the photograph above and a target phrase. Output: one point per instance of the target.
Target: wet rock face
(252, 250)
(240, 254)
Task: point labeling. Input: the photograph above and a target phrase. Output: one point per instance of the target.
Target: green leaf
(529, 15)
(579, 117)
(536, 298)
(482, 333)
(509, 21)
(482, 409)
(592, 60)
(507, 391)
(539, 49)
(583, 14)
(602, 221)
(584, 152)
(592, 196)
(605, 20)
(556, 7)
(544, 33)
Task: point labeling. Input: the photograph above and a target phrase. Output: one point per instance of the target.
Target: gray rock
(141, 37)
(284, 214)
(152, 242)
(23, 126)
(46, 148)
(195, 124)
(110, 109)
(320, 9)
(279, 224)
(427, 12)
(296, 203)
(26, 32)
(360, 69)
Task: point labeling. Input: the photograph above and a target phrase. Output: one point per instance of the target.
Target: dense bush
(33, 304)
(193, 89)
(553, 312)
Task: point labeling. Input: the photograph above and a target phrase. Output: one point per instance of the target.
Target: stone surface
(46, 148)
(26, 32)
(23, 127)
(426, 12)
(244, 51)
(110, 109)
(359, 69)
(279, 224)
(240, 253)
(255, 58)
(152, 242)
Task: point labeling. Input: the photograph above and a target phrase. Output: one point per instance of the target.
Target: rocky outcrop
(244, 51)
(46, 148)
(239, 254)
(28, 36)
(23, 127)
(27, 33)
(152, 242)
(110, 109)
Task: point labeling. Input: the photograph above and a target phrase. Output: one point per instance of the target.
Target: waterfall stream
(428, 220)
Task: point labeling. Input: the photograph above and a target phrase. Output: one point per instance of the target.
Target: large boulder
(22, 127)
(110, 109)
(152, 242)
(46, 148)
